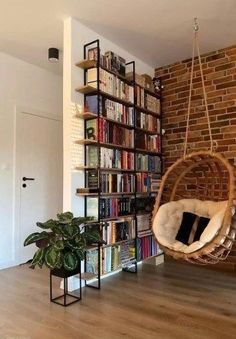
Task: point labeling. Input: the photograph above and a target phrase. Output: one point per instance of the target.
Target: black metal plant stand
(63, 298)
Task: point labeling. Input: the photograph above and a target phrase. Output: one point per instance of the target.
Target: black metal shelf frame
(136, 108)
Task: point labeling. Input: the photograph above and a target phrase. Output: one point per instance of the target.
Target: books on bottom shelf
(147, 247)
(112, 258)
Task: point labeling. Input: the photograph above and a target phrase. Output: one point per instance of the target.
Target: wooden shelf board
(147, 111)
(105, 194)
(91, 141)
(148, 91)
(103, 169)
(86, 115)
(146, 131)
(147, 151)
(86, 64)
(91, 115)
(88, 89)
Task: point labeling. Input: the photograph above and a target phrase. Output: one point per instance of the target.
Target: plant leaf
(65, 218)
(33, 237)
(38, 257)
(80, 254)
(69, 231)
(70, 261)
(49, 224)
(80, 220)
(59, 245)
(59, 260)
(91, 236)
(51, 257)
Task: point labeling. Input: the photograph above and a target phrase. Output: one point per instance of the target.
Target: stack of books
(115, 231)
(110, 84)
(144, 225)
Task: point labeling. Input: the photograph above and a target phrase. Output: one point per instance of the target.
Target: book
(92, 261)
(120, 183)
(92, 180)
(92, 155)
(150, 163)
(110, 84)
(92, 207)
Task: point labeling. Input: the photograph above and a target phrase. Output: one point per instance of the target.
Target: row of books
(109, 109)
(109, 158)
(111, 258)
(150, 163)
(111, 183)
(114, 158)
(147, 182)
(147, 122)
(115, 231)
(148, 142)
(147, 101)
(152, 103)
(121, 159)
(147, 247)
(119, 112)
(114, 207)
(111, 84)
(109, 60)
(109, 132)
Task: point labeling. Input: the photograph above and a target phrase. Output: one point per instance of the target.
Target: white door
(38, 174)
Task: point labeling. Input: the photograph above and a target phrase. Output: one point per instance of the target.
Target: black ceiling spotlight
(53, 54)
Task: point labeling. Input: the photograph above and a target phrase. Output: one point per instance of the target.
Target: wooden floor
(170, 301)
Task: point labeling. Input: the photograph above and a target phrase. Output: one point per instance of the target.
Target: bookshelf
(122, 162)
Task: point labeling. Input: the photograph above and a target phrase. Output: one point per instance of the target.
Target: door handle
(25, 179)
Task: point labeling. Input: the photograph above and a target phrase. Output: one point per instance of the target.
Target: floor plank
(169, 301)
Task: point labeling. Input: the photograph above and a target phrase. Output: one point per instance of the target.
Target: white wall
(75, 36)
(28, 86)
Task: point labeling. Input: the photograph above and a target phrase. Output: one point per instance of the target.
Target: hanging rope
(196, 45)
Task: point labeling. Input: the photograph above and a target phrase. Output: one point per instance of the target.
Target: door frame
(17, 175)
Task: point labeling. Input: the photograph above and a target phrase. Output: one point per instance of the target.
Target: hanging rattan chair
(204, 183)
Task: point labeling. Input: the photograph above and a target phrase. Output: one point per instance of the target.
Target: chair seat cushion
(170, 228)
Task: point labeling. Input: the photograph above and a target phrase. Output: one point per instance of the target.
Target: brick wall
(219, 68)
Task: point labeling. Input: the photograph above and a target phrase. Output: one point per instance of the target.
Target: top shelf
(86, 64)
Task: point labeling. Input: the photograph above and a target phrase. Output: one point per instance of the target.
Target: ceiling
(156, 31)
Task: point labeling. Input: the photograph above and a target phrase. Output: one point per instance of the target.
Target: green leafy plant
(62, 242)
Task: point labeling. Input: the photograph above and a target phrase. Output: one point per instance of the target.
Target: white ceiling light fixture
(53, 54)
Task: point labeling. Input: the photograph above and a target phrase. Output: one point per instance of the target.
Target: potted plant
(61, 244)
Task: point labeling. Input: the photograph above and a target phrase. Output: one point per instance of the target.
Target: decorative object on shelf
(61, 245)
(201, 182)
